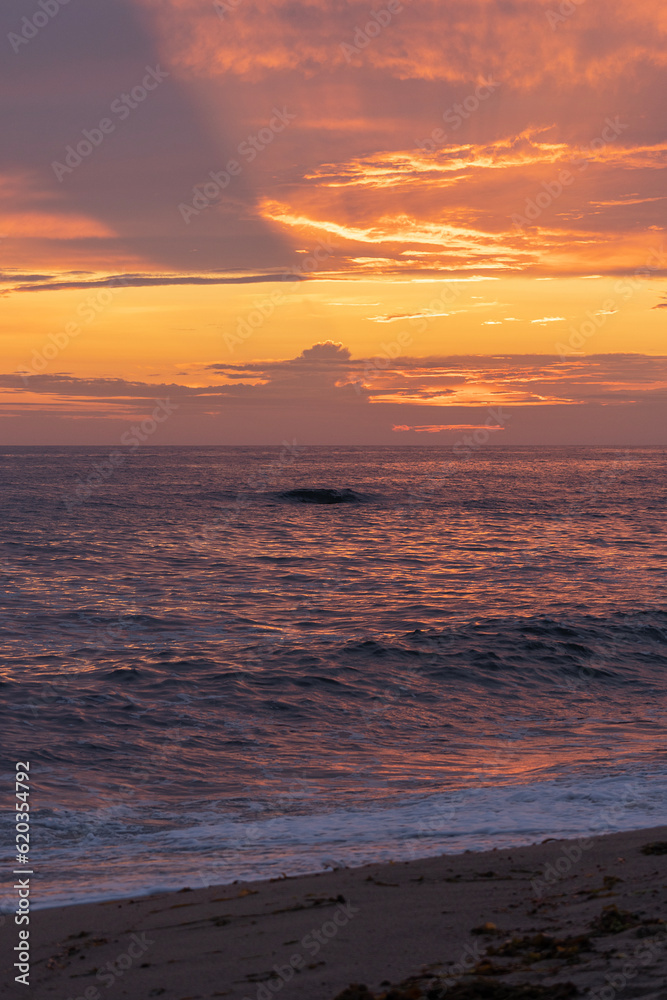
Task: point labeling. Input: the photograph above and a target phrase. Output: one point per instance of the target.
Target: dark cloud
(328, 367)
(326, 351)
(65, 80)
(326, 396)
(149, 281)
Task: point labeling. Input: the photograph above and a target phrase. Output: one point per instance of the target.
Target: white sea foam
(221, 847)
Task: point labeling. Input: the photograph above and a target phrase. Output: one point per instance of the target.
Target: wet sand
(487, 924)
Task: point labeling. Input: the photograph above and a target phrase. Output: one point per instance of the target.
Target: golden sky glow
(474, 179)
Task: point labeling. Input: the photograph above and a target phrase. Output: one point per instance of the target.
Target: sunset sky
(335, 222)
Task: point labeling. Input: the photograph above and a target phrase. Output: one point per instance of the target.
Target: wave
(162, 850)
(323, 496)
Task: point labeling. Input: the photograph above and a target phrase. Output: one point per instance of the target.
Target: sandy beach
(562, 917)
(333, 478)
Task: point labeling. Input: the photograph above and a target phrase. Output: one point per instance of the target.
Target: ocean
(239, 663)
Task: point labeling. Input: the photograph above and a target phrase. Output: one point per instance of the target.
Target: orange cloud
(436, 428)
(45, 225)
(453, 40)
(453, 164)
(521, 202)
(327, 373)
(403, 233)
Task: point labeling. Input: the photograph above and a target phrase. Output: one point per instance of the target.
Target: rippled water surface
(230, 663)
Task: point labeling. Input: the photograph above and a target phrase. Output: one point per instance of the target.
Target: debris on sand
(657, 847)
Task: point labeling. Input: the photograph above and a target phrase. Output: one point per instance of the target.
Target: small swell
(322, 496)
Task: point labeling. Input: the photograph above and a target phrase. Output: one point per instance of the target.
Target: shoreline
(438, 919)
(515, 825)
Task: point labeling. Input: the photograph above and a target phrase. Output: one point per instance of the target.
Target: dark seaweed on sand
(657, 847)
(613, 921)
(539, 947)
